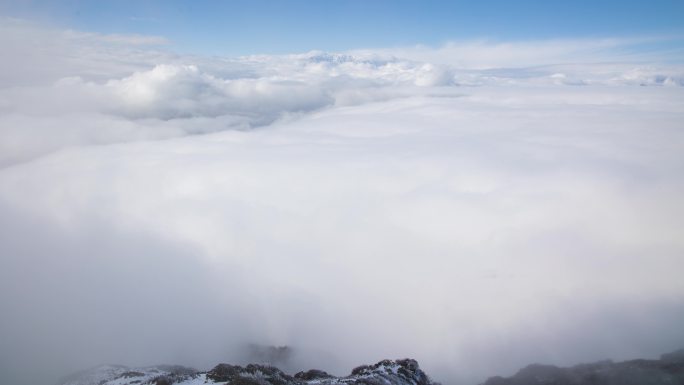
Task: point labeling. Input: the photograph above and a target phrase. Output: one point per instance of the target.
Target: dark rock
(390, 372)
(313, 374)
(252, 374)
(161, 380)
(224, 372)
(130, 374)
(360, 370)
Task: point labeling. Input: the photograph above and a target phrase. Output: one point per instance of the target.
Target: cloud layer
(66, 88)
(357, 206)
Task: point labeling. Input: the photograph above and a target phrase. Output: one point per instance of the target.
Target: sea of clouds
(477, 206)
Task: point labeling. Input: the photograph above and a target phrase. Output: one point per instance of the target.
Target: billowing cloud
(356, 206)
(115, 82)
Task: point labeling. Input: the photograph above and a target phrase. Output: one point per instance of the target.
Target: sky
(478, 187)
(258, 27)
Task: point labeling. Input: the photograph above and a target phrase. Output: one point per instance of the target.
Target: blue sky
(259, 26)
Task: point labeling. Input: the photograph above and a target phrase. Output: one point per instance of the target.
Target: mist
(476, 215)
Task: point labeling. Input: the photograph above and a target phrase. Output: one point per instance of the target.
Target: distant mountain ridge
(668, 370)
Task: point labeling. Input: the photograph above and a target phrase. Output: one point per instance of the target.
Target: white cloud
(38, 55)
(413, 227)
(361, 204)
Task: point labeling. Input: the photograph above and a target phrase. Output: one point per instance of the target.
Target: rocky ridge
(386, 372)
(668, 370)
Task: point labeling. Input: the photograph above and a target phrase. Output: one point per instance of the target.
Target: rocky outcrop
(668, 370)
(387, 372)
(313, 374)
(252, 374)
